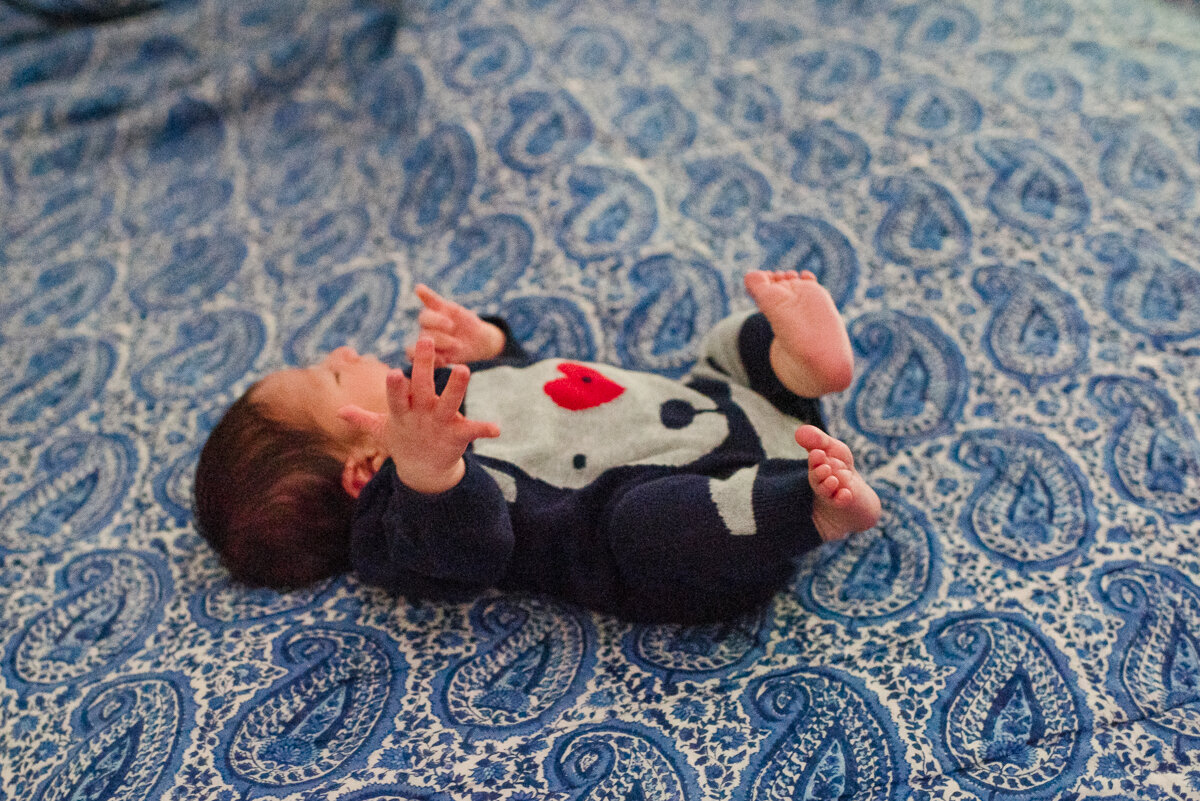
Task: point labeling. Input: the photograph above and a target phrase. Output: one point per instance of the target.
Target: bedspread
(1000, 194)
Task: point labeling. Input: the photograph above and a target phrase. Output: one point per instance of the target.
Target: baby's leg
(690, 545)
(843, 502)
(811, 352)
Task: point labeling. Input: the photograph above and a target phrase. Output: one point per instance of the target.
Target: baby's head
(278, 476)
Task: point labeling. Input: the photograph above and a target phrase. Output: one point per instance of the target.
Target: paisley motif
(923, 227)
(393, 793)
(82, 480)
(1011, 722)
(107, 604)
(827, 154)
(393, 94)
(1148, 291)
(228, 603)
(697, 651)
(827, 737)
(592, 52)
(1037, 332)
(754, 38)
(550, 327)
(1152, 455)
(54, 61)
(927, 110)
(69, 155)
(1040, 85)
(437, 12)
(341, 682)
(547, 130)
(655, 122)
(827, 74)
(1139, 166)
(617, 761)
(487, 258)
(173, 486)
(187, 200)
(212, 351)
(1032, 507)
(678, 303)
(887, 572)
(800, 243)
(310, 246)
(490, 57)
(53, 222)
(288, 60)
(1153, 667)
(128, 741)
(681, 47)
(915, 384)
(534, 660)
(1042, 18)
(613, 212)
(726, 194)
(193, 132)
(935, 27)
(63, 295)
(305, 178)
(1047, 88)
(439, 177)
(354, 308)
(750, 108)
(368, 45)
(1033, 191)
(198, 268)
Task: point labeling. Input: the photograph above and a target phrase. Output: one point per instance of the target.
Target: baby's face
(309, 397)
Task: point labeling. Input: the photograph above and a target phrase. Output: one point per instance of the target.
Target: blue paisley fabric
(1000, 194)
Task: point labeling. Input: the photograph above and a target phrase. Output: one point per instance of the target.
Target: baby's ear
(360, 467)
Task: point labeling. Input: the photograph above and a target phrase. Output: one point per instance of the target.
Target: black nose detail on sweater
(676, 414)
(580, 461)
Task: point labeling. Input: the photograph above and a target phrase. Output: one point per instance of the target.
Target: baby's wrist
(431, 480)
(495, 339)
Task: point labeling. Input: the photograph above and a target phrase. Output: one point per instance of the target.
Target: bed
(1001, 197)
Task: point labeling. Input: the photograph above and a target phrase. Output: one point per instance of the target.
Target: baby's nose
(344, 354)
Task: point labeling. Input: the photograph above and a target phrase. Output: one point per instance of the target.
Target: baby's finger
(431, 299)
(441, 358)
(477, 429)
(423, 393)
(454, 391)
(397, 392)
(434, 320)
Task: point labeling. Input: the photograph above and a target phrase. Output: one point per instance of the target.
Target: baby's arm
(459, 335)
(425, 434)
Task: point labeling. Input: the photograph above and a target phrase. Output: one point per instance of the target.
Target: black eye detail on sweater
(676, 414)
(580, 461)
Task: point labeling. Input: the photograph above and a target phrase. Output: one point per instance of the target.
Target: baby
(626, 492)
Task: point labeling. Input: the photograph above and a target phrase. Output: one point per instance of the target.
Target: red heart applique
(583, 388)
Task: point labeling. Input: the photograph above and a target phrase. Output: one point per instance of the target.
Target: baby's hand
(424, 433)
(459, 335)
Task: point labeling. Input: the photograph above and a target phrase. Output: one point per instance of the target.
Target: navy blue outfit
(656, 527)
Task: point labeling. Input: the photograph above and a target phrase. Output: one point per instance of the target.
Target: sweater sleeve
(441, 546)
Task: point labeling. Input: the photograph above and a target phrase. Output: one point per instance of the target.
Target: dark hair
(269, 499)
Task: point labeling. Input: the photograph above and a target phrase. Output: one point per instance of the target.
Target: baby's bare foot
(843, 502)
(811, 352)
